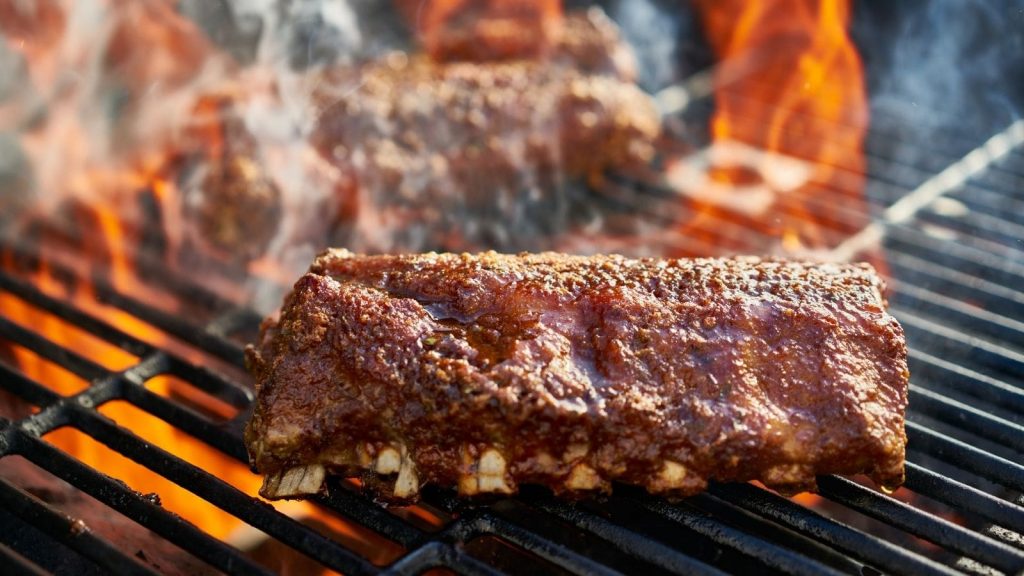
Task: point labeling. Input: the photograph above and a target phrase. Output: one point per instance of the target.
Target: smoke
(194, 119)
(947, 66)
(653, 31)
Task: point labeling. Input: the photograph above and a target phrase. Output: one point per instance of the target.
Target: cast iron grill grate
(957, 276)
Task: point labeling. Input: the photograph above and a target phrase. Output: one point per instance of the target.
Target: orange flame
(790, 86)
(119, 268)
(150, 48)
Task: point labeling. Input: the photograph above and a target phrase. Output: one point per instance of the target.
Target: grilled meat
(229, 207)
(454, 156)
(484, 29)
(485, 372)
(412, 154)
(586, 40)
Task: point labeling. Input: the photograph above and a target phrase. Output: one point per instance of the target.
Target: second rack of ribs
(485, 372)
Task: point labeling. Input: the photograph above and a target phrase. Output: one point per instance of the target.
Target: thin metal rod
(124, 500)
(72, 532)
(965, 456)
(967, 417)
(964, 497)
(935, 187)
(634, 544)
(928, 526)
(221, 494)
(866, 548)
(436, 555)
(771, 555)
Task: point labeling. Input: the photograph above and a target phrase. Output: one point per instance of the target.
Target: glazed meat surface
(488, 371)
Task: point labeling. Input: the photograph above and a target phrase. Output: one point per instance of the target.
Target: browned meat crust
(488, 371)
(454, 155)
(586, 40)
(440, 155)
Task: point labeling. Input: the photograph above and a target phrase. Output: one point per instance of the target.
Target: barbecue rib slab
(488, 371)
(460, 155)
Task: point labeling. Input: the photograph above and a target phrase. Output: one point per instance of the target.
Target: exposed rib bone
(672, 476)
(583, 477)
(408, 484)
(389, 461)
(488, 474)
(299, 481)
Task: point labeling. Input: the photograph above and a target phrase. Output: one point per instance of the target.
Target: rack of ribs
(485, 372)
(462, 155)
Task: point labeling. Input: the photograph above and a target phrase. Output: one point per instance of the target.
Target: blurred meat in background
(245, 136)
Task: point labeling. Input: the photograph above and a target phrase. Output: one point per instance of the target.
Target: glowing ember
(790, 87)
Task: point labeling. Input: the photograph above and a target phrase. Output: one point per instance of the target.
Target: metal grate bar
(921, 524)
(964, 497)
(989, 202)
(185, 419)
(182, 473)
(955, 344)
(42, 550)
(28, 293)
(959, 256)
(975, 224)
(345, 503)
(76, 363)
(237, 395)
(951, 245)
(938, 406)
(439, 554)
(750, 521)
(729, 234)
(632, 543)
(17, 565)
(26, 389)
(869, 549)
(965, 381)
(1002, 180)
(993, 297)
(221, 494)
(982, 322)
(950, 178)
(176, 326)
(556, 554)
(965, 456)
(487, 523)
(69, 531)
(769, 554)
(234, 394)
(121, 498)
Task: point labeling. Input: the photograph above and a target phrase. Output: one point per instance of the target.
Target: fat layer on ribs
(487, 371)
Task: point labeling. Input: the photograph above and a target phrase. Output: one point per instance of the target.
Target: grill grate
(955, 274)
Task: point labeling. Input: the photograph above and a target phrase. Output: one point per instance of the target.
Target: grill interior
(947, 211)
(951, 229)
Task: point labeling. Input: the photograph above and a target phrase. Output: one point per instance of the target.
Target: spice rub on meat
(488, 371)
(458, 155)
